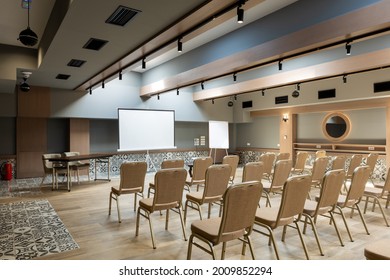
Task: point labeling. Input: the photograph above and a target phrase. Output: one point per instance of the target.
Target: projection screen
(146, 129)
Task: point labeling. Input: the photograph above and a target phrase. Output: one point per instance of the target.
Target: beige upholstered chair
(279, 178)
(200, 166)
(168, 163)
(252, 171)
(378, 250)
(132, 180)
(236, 221)
(300, 163)
(76, 166)
(338, 162)
(320, 153)
(289, 212)
(281, 156)
(318, 171)
(354, 195)
(268, 160)
(216, 182)
(232, 160)
(377, 192)
(53, 169)
(325, 203)
(371, 162)
(356, 160)
(168, 196)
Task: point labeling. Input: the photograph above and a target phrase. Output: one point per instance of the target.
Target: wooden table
(98, 158)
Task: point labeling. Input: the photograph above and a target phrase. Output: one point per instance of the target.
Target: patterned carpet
(31, 229)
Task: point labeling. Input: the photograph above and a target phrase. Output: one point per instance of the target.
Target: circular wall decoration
(336, 126)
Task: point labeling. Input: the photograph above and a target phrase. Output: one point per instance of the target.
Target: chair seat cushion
(377, 192)
(268, 215)
(125, 191)
(147, 204)
(207, 228)
(378, 250)
(311, 206)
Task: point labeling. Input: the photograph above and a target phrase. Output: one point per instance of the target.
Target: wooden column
(287, 133)
(79, 137)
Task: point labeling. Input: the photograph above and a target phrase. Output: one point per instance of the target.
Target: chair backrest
(320, 153)
(253, 171)
(331, 185)
(300, 161)
(132, 175)
(169, 184)
(172, 163)
(48, 165)
(356, 161)
(281, 156)
(217, 180)
(386, 186)
(319, 168)
(294, 195)
(232, 160)
(358, 182)
(69, 154)
(268, 161)
(371, 160)
(338, 162)
(200, 166)
(281, 173)
(238, 217)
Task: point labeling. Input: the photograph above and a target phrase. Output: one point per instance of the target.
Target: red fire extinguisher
(6, 171)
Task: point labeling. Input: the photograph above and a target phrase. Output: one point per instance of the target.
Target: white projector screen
(218, 135)
(146, 129)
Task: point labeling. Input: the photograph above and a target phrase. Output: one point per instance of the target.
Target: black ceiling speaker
(27, 36)
(24, 86)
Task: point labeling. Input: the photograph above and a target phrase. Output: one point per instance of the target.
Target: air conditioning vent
(62, 77)
(76, 63)
(94, 44)
(122, 15)
(328, 93)
(381, 87)
(281, 99)
(247, 104)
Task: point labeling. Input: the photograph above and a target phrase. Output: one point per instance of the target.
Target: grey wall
(8, 136)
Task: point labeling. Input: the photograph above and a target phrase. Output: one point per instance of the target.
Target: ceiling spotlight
(235, 97)
(348, 48)
(234, 77)
(158, 96)
(212, 101)
(177, 91)
(280, 65)
(120, 75)
(202, 85)
(344, 79)
(27, 36)
(90, 91)
(263, 92)
(143, 63)
(179, 45)
(240, 14)
(103, 84)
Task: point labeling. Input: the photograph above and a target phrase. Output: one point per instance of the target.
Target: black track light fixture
(158, 96)
(345, 79)
(240, 14)
(212, 101)
(179, 45)
(235, 97)
(90, 91)
(120, 75)
(143, 63)
(177, 91)
(202, 85)
(27, 36)
(348, 48)
(103, 84)
(280, 65)
(262, 92)
(234, 77)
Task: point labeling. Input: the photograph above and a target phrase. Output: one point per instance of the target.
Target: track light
(179, 45)
(202, 85)
(212, 101)
(345, 79)
(158, 96)
(90, 91)
(280, 65)
(103, 84)
(263, 92)
(240, 14)
(177, 91)
(348, 48)
(234, 77)
(143, 63)
(120, 75)
(235, 97)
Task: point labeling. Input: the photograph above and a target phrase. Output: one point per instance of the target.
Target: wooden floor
(84, 211)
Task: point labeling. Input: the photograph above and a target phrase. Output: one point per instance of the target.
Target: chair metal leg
(166, 220)
(118, 209)
(313, 226)
(302, 241)
(182, 223)
(223, 250)
(109, 204)
(250, 247)
(189, 250)
(336, 228)
(362, 218)
(345, 223)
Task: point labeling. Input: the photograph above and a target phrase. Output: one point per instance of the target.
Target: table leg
(68, 174)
